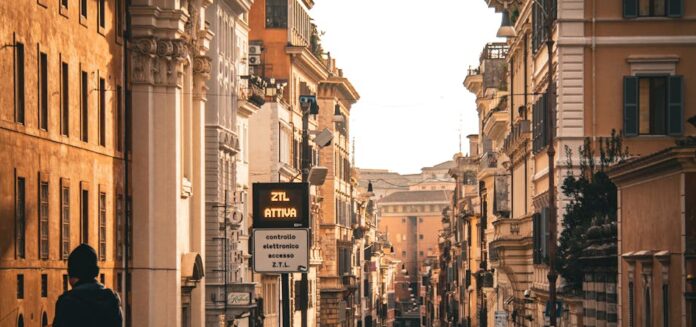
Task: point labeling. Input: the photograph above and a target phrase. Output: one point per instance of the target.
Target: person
(88, 303)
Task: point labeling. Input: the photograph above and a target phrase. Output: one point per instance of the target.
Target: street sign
(281, 250)
(239, 298)
(281, 205)
(501, 318)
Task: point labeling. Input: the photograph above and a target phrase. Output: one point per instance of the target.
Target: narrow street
(348, 163)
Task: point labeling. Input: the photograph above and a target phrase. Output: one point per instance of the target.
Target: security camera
(527, 293)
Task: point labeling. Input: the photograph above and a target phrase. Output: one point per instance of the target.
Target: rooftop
(416, 196)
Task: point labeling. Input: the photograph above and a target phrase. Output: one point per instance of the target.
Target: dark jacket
(88, 304)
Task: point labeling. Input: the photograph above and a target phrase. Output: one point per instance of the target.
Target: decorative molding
(159, 61)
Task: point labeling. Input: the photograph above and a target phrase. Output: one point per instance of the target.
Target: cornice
(348, 92)
(302, 57)
(679, 158)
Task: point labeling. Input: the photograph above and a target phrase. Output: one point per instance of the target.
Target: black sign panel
(281, 205)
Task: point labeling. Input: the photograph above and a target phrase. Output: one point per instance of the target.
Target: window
(43, 220)
(119, 226)
(20, 219)
(420, 237)
(20, 286)
(647, 301)
(119, 119)
(276, 13)
(44, 319)
(300, 295)
(119, 18)
(271, 298)
(64, 99)
(64, 3)
(653, 105)
(653, 8)
(65, 282)
(102, 279)
(20, 321)
(102, 112)
(19, 82)
(539, 121)
(83, 8)
(665, 305)
(84, 226)
(102, 226)
(631, 305)
(119, 282)
(44, 285)
(540, 237)
(102, 15)
(65, 221)
(539, 20)
(84, 114)
(43, 91)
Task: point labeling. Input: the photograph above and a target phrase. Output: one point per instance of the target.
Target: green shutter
(675, 112)
(630, 8)
(675, 8)
(630, 105)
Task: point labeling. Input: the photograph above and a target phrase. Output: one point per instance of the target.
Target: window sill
(63, 11)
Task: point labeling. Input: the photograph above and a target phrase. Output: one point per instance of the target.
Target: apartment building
(62, 140)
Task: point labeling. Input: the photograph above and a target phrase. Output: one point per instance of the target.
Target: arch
(192, 266)
(44, 319)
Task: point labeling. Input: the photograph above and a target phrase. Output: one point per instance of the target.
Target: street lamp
(506, 29)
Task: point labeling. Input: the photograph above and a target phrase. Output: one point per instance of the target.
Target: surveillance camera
(324, 138)
(527, 293)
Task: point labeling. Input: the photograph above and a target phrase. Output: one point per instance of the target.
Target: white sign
(281, 250)
(235, 298)
(501, 318)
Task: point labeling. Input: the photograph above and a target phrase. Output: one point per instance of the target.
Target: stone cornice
(344, 86)
(666, 161)
(302, 57)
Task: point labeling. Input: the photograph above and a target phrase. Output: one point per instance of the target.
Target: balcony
(494, 50)
(496, 121)
(488, 161)
(255, 92)
(517, 137)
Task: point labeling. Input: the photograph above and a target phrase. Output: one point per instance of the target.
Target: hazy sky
(407, 59)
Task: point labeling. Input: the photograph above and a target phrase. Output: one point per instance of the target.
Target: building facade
(62, 139)
(615, 66)
(234, 96)
(168, 71)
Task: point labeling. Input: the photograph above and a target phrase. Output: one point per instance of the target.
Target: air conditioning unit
(254, 60)
(255, 49)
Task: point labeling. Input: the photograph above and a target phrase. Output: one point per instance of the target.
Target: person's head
(82, 264)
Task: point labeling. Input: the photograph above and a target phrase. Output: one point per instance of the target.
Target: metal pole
(126, 150)
(224, 252)
(305, 166)
(551, 152)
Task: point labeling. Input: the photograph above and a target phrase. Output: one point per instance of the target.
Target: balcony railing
(488, 160)
(520, 132)
(496, 50)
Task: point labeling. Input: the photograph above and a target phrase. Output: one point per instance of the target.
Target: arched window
(44, 319)
(20, 321)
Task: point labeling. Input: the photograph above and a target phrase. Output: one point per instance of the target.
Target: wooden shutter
(675, 8)
(675, 112)
(630, 106)
(543, 253)
(630, 8)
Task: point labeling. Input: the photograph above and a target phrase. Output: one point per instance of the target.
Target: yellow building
(616, 65)
(62, 139)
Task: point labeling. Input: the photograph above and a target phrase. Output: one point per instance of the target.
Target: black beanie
(82, 262)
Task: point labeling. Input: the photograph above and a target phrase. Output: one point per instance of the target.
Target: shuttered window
(653, 8)
(653, 105)
(43, 221)
(540, 236)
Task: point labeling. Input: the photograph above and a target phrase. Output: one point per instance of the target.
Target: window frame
(84, 106)
(65, 98)
(20, 217)
(19, 83)
(43, 218)
(102, 112)
(65, 218)
(673, 105)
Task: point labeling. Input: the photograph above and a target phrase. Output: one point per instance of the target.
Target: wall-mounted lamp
(506, 29)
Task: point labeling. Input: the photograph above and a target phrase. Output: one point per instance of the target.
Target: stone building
(168, 70)
(62, 142)
(285, 58)
(412, 221)
(657, 238)
(614, 65)
(234, 96)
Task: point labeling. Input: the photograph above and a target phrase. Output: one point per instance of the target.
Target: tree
(592, 202)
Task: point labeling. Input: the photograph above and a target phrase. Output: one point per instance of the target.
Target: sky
(408, 60)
